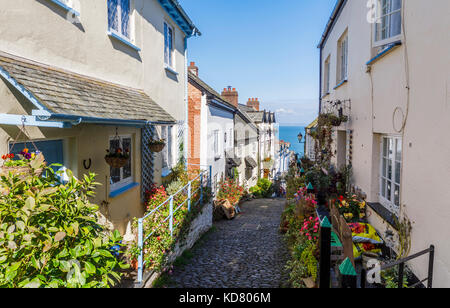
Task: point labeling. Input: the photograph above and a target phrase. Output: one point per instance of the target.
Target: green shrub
(50, 235)
(263, 189)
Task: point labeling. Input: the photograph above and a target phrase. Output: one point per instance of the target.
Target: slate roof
(68, 93)
(210, 90)
(257, 116)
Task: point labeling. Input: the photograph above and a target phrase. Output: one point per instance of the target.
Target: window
(343, 59)
(247, 137)
(168, 45)
(123, 176)
(388, 26)
(166, 134)
(119, 18)
(391, 165)
(327, 76)
(216, 144)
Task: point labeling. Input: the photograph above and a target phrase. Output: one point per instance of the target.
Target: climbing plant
(324, 137)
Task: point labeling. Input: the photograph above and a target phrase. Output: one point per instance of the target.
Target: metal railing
(203, 179)
(401, 269)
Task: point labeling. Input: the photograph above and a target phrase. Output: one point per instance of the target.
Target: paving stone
(248, 251)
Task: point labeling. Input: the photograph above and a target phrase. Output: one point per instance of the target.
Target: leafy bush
(50, 235)
(263, 189)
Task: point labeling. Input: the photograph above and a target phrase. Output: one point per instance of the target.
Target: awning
(250, 162)
(62, 95)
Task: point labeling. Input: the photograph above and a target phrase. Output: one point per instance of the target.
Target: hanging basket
(116, 162)
(156, 147)
(22, 172)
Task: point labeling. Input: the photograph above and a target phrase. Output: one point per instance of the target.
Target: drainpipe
(320, 80)
(186, 100)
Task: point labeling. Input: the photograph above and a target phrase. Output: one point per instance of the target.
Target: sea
(290, 134)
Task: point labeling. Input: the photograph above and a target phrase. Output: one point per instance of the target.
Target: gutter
(334, 16)
(76, 119)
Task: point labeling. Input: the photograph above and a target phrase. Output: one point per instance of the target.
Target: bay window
(391, 166)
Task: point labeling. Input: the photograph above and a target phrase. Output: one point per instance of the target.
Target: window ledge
(384, 52)
(122, 190)
(170, 70)
(341, 83)
(123, 40)
(325, 95)
(67, 8)
(384, 213)
(166, 172)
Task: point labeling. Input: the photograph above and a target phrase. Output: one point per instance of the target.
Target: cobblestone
(247, 252)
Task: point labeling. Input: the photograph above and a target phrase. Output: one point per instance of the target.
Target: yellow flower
(345, 203)
(362, 205)
(362, 215)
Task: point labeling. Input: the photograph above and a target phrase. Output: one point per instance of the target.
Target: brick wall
(194, 122)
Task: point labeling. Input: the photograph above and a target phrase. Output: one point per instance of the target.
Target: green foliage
(263, 189)
(50, 235)
(390, 278)
(318, 179)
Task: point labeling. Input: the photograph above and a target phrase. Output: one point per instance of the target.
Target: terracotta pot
(134, 264)
(116, 162)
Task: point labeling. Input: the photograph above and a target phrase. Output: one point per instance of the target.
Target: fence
(194, 190)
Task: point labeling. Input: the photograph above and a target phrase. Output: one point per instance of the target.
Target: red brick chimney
(193, 69)
(231, 96)
(254, 103)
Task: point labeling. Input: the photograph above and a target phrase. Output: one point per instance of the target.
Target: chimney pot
(193, 69)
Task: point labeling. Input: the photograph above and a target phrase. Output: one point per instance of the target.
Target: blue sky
(264, 48)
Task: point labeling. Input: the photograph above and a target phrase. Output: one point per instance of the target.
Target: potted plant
(156, 145)
(267, 163)
(27, 164)
(117, 158)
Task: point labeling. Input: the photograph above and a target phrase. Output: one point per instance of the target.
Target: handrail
(170, 200)
(401, 264)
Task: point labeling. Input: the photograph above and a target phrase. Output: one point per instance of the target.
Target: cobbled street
(247, 252)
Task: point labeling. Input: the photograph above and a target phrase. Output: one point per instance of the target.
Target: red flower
(341, 198)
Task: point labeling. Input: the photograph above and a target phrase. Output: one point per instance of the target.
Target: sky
(266, 49)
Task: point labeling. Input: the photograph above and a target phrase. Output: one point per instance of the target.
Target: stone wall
(199, 226)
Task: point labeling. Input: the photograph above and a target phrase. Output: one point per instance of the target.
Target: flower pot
(156, 147)
(116, 162)
(267, 165)
(21, 172)
(134, 264)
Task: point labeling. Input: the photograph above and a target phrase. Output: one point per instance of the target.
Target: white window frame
(216, 143)
(167, 153)
(119, 33)
(327, 68)
(123, 182)
(169, 54)
(393, 159)
(342, 71)
(379, 16)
